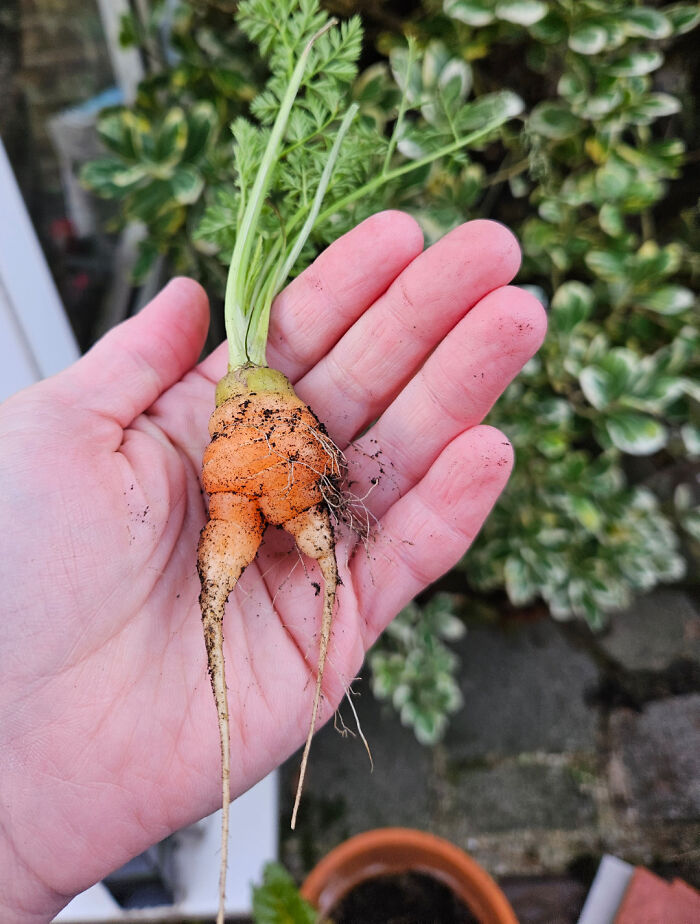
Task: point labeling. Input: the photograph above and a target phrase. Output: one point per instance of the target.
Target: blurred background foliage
(596, 178)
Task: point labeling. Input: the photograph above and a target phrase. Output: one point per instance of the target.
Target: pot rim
(386, 851)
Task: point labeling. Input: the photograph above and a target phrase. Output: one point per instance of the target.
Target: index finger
(317, 307)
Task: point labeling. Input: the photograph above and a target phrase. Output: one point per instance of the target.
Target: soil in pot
(404, 898)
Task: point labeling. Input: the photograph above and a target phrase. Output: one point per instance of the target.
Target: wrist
(24, 898)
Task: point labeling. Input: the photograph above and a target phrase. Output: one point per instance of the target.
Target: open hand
(108, 733)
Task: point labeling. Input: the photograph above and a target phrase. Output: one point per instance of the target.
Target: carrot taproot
(269, 461)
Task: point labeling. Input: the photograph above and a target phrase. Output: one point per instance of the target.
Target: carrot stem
(261, 312)
(398, 172)
(235, 310)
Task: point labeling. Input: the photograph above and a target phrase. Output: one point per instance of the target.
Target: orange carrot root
(269, 461)
(228, 544)
(313, 533)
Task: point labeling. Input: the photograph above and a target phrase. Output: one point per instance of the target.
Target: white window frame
(36, 339)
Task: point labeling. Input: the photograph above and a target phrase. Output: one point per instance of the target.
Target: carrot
(270, 461)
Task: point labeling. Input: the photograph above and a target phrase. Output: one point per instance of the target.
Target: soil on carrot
(406, 898)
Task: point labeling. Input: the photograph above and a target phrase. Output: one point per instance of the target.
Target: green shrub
(582, 181)
(277, 899)
(605, 421)
(414, 669)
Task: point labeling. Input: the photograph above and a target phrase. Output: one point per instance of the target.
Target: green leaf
(653, 106)
(552, 210)
(635, 434)
(519, 585)
(472, 12)
(554, 120)
(202, 129)
(147, 255)
(553, 444)
(611, 220)
(446, 82)
(676, 356)
(690, 434)
(641, 194)
(435, 57)
(652, 262)
(635, 64)
(668, 300)
(611, 378)
(598, 105)
(596, 387)
(613, 179)
(645, 22)
(110, 177)
(187, 184)
(458, 74)
(128, 30)
(683, 17)
(587, 513)
(588, 39)
(683, 497)
(662, 157)
(115, 133)
(277, 900)
(427, 727)
(653, 391)
(551, 29)
(572, 86)
(692, 388)
(166, 222)
(143, 135)
(218, 224)
(152, 201)
(521, 12)
(409, 80)
(490, 108)
(229, 83)
(171, 138)
(608, 265)
(691, 523)
(572, 303)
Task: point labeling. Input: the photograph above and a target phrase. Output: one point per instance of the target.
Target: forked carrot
(270, 461)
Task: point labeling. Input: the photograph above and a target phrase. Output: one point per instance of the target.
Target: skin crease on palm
(108, 732)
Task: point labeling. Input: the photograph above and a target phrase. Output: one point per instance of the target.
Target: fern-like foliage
(281, 30)
(308, 164)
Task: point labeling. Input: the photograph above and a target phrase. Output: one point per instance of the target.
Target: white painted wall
(36, 339)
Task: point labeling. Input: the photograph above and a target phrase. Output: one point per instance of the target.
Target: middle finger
(352, 385)
(453, 392)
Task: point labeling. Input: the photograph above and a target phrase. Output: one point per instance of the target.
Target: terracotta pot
(388, 851)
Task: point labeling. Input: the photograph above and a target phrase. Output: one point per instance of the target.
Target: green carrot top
(312, 155)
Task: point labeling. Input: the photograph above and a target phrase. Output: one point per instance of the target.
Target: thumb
(132, 365)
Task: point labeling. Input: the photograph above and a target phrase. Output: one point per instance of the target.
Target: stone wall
(569, 746)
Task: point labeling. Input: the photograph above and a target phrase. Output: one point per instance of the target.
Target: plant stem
(253, 280)
(397, 172)
(507, 173)
(257, 326)
(410, 58)
(260, 318)
(320, 192)
(235, 313)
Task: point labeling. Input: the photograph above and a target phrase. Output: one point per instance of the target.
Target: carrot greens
(308, 156)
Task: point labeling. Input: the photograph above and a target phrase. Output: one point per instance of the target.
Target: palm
(115, 735)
